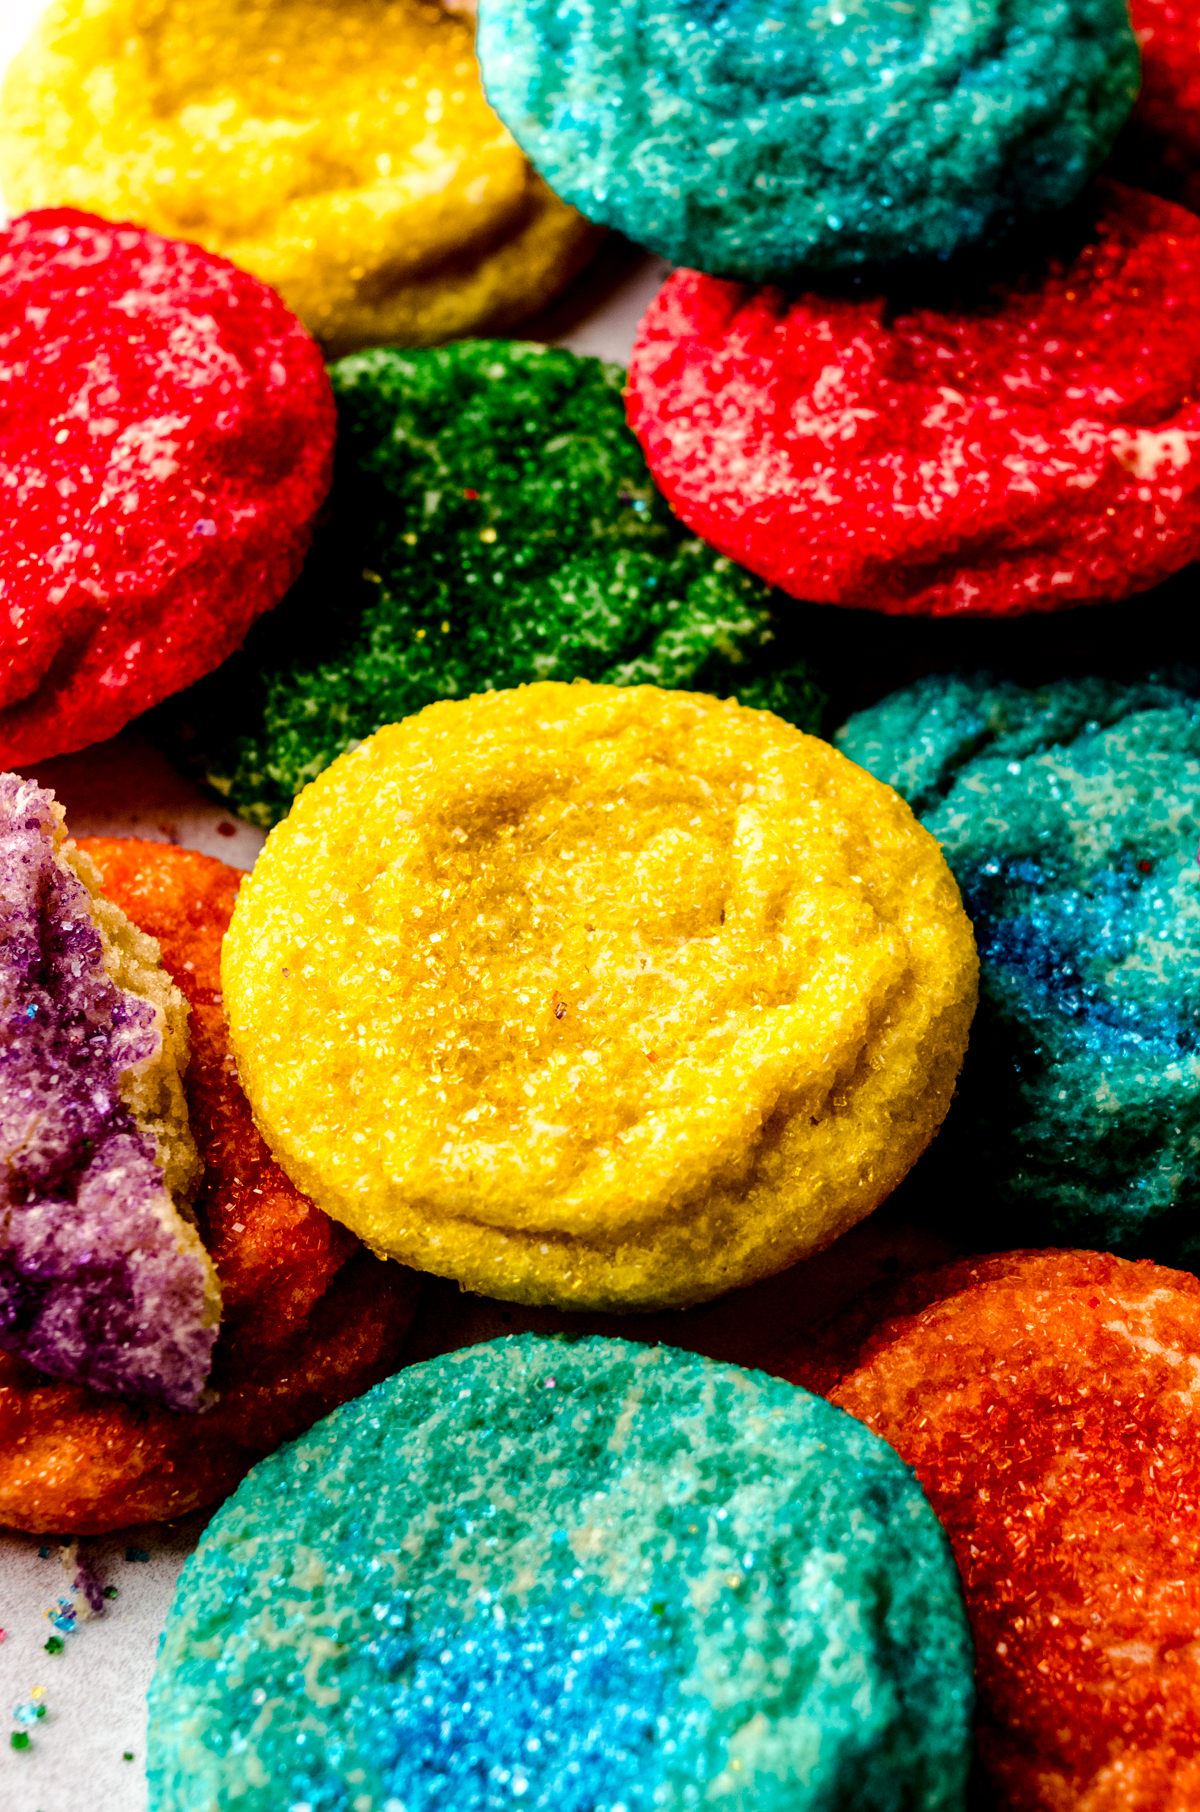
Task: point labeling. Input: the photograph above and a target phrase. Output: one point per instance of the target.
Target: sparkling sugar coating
(1070, 816)
(612, 998)
(752, 138)
(309, 1318)
(166, 437)
(509, 531)
(1048, 1405)
(1029, 452)
(1168, 32)
(569, 1576)
(101, 1281)
(341, 150)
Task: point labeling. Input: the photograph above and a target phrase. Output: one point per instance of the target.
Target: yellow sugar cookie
(342, 150)
(603, 997)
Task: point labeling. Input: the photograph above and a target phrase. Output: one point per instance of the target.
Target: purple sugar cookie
(102, 1279)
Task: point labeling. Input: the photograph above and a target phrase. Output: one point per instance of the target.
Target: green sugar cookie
(569, 1576)
(493, 523)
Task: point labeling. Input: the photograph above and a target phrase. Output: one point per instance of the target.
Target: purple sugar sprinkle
(93, 1287)
(85, 1581)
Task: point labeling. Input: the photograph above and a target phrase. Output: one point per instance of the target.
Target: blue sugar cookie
(569, 1576)
(750, 139)
(1070, 816)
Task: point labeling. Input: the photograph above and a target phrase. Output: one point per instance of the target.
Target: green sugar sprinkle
(492, 522)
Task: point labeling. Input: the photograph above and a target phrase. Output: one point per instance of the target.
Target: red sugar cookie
(1169, 34)
(1038, 452)
(310, 1317)
(1050, 1405)
(166, 438)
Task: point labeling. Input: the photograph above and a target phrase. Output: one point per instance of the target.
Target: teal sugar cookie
(749, 139)
(1070, 815)
(569, 1576)
(493, 523)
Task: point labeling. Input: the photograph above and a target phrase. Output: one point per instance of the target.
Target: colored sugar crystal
(310, 1317)
(101, 1280)
(85, 1581)
(342, 150)
(1024, 448)
(1169, 104)
(638, 1573)
(493, 523)
(766, 974)
(64, 1617)
(1070, 815)
(1047, 1403)
(756, 138)
(166, 436)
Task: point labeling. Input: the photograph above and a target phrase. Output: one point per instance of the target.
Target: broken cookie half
(103, 1279)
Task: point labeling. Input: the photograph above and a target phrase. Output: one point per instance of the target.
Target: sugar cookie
(342, 150)
(1031, 451)
(166, 439)
(611, 998)
(572, 1575)
(754, 138)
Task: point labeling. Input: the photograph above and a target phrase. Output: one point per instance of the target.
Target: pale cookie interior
(153, 1090)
